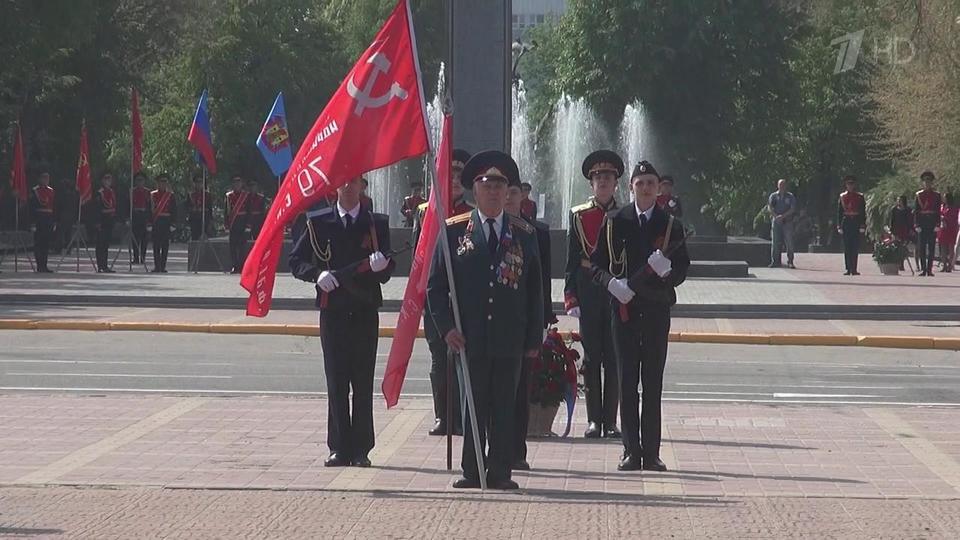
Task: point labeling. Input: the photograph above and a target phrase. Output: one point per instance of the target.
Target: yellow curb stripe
(309, 330)
(389, 441)
(800, 339)
(896, 342)
(743, 339)
(939, 462)
(90, 453)
(947, 344)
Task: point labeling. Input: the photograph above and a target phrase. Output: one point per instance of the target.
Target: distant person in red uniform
(411, 203)
(667, 200)
(947, 237)
(851, 222)
(528, 208)
(926, 215)
(365, 201)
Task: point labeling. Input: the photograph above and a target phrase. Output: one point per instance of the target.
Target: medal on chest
(511, 266)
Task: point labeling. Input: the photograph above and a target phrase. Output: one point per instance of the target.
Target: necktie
(643, 220)
(347, 221)
(492, 241)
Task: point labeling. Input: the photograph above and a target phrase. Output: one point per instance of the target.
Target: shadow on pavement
(558, 496)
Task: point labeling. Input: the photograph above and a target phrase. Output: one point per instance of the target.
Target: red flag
(415, 294)
(84, 187)
(136, 128)
(18, 169)
(376, 117)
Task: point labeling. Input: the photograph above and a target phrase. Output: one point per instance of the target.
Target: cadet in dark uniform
(926, 212)
(640, 259)
(439, 354)
(163, 206)
(235, 221)
(196, 202)
(851, 222)
(515, 197)
(105, 209)
(496, 269)
(589, 302)
(336, 237)
(44, 210)
(669, 202)
(140, 198)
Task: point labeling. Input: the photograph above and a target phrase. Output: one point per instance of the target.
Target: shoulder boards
(422, 207)
(919, 192)
(319, 212)
(581, 207)
(521, 224)
(460, 218)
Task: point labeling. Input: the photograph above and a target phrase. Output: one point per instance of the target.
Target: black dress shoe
(439, 428)
(654, 464)
(155, 271)
(466, 483)
(854, 273)
(611, 432)
(335, 460)
(361, 462)
(504, 483)
(629, 462)
(593, 431)
(520, 465)
(109, 271)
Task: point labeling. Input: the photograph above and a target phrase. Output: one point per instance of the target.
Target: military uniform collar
(612, 205)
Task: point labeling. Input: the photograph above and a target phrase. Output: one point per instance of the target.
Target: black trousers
(138, 245)
(494, 394)
(522, 416)
(641, 348)
(926, 248)
(41, 242)
(196, 225)
(851, 245)
(439, 358)
(63, 234)
(238, 244)
(349, 342)
(603, 398)
(104, 235)
(161, 243)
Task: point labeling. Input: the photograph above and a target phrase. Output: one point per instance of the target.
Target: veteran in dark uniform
(349, 298)
(640, 258)
(926, 213)
(496, 271)
(514, 207)
(44, 209)
(851, 223)
(439, 354)
(589, 302)
(105, 208)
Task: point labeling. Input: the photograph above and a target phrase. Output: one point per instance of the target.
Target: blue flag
(274, 139)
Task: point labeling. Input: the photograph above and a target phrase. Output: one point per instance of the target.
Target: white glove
(327, 282)
(660, 264)
(574, 312)
(619, 289)
(377, 261)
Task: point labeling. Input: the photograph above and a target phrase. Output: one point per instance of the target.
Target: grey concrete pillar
(480, 69)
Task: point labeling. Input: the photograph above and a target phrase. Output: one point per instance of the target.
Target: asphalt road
(183, 363)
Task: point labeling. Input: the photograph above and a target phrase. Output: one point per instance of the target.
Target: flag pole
(16, 233)
(134, 244)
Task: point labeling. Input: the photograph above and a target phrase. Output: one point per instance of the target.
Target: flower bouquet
(553, 379)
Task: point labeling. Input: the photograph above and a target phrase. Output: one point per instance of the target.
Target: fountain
(577, 132)
(522, 141)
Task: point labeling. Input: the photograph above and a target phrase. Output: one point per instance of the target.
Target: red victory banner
(84, 187)
(18, 171)
(415, 294)
(375, 118)
(136, 128)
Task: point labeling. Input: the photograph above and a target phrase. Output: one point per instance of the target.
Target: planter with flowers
(889, 254)
(553, 380)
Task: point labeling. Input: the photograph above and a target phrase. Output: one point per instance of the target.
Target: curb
(890, 342)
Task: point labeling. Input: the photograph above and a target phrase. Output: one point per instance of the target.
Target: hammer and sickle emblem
(381, 64)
